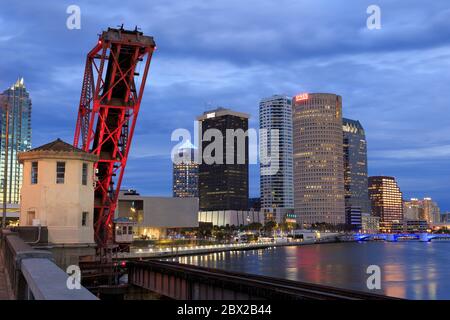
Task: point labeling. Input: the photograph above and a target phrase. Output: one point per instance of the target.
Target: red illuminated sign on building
(301, 97)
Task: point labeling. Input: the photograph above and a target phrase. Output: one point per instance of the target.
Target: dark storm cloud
(233, 53)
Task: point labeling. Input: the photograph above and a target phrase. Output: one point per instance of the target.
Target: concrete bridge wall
(33, 275)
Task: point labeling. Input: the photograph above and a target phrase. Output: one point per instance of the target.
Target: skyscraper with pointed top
(185, 172)
(17, 100)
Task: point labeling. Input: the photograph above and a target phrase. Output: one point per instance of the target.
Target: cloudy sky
(232, 53)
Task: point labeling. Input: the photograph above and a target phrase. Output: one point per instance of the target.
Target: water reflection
(413, 270)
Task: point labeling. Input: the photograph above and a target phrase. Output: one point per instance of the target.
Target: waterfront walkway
(168, 252)
(4, 292)
(192, 250)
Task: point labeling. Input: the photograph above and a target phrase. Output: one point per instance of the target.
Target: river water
(412, 270)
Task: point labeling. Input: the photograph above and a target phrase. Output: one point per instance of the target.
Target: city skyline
(225, 156)
(403, 140)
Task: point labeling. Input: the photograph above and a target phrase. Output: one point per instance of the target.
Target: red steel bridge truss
(111, 95)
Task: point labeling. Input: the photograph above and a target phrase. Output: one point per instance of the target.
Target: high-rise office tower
(355, 169)
(185, 172)
(386, 201)
(17, 100)
(223, 170)
(277, 188)
(318, 158)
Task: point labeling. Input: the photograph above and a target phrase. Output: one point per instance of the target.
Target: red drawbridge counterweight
(109, 105)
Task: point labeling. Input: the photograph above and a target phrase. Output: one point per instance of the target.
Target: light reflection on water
(412, 270)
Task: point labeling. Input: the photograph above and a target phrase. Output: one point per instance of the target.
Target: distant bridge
(393, 237)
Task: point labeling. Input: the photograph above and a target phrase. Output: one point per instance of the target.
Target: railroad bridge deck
(187, 282)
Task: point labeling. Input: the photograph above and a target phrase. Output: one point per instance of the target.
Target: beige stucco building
(58, 192)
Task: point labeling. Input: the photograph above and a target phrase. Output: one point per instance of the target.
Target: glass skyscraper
(17, 99)
(355, 166)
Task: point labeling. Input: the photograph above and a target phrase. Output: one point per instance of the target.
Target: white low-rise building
(155, 216)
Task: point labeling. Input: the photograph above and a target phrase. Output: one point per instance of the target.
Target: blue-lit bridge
(393, 237)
